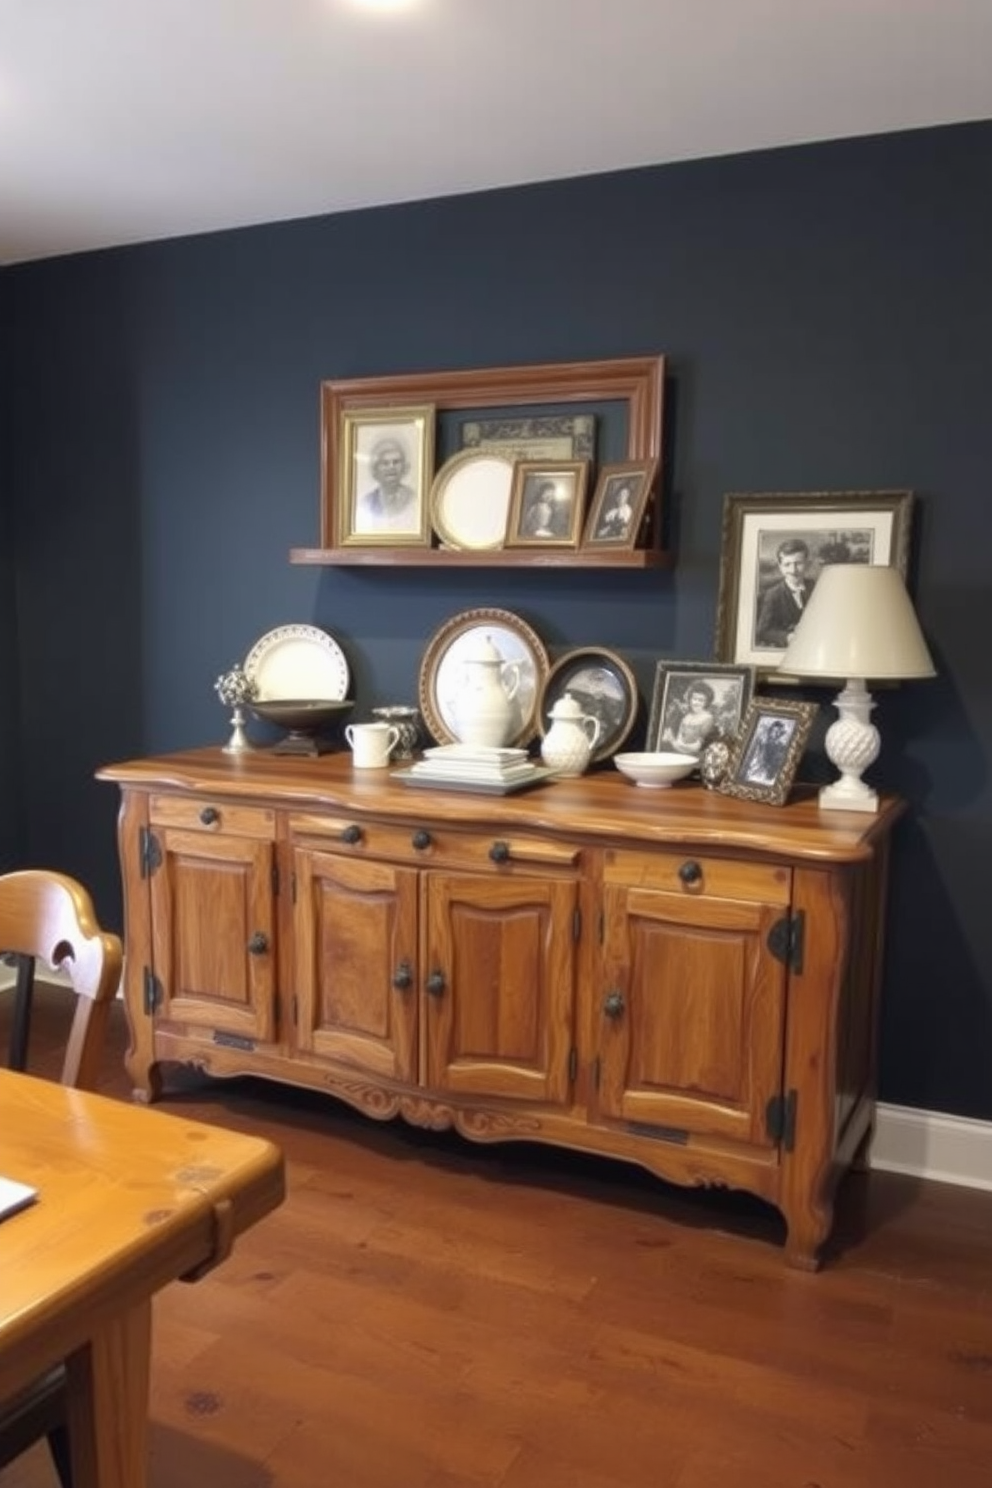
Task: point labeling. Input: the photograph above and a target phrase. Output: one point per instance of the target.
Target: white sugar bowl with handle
(568, 745)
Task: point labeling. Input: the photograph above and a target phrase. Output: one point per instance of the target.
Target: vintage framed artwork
(569, 436)
(547, 503)
(774, 546)
(603, 685)
(618, 504)
(631, 388)
(442, 671)
(694, 700)
(387, 460)
(769, 747)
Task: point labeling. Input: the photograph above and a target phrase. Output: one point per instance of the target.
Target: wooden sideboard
(676, 978)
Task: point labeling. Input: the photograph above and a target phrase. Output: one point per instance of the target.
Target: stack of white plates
(470, 762)
(470, 767)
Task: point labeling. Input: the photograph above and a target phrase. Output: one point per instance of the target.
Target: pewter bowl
(303, 719)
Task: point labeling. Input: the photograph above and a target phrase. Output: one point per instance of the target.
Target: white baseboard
(928, 1144)
(922, 1144)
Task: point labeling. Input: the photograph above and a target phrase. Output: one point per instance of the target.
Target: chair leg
(58, 1445)
(20, 1027)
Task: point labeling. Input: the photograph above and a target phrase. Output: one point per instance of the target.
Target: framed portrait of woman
(694, 700)
(387, 458)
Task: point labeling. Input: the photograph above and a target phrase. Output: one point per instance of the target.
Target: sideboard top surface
(602, 806)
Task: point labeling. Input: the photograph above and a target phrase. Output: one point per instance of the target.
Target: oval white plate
(298, 662)
(470, 499)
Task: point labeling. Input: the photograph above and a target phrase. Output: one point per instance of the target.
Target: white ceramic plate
(470, 499)
(298, 662)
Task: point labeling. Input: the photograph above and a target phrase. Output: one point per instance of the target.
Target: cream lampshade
(858, 623)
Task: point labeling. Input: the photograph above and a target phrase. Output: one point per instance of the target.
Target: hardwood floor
(433, 1315)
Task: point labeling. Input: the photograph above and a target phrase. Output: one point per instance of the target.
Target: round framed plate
(470, 499)
(442, 670)
(298, 662)
(602, 684)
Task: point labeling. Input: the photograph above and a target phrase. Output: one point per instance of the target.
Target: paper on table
(15, 1196)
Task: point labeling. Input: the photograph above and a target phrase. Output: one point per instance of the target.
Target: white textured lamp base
(847, 795)
(852, 744)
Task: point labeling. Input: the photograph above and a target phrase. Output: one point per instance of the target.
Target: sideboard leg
(808, 1228)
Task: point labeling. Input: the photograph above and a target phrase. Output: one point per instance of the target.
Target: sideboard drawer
(429, 846)
(200, 814)
(692, 873)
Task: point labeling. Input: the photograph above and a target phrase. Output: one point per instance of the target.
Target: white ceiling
(127, 120)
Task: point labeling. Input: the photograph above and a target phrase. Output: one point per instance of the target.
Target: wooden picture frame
(771, 538)
(634, 385)
(603, 685)
(694, 700)
(386, 465)
(769, 747)
(616, 511)
(547, 503)
(442, 670)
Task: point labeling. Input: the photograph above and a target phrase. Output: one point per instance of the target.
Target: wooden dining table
(130, 1200)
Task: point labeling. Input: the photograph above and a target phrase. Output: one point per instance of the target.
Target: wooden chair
(49, 917)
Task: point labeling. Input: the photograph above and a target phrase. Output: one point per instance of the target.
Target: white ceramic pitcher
(484, 711)
(568, 745)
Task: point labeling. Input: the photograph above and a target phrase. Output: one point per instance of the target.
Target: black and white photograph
(788, 568)
(547, 503)
(605, 688)
(775, 547)
(387, 460)
(769, 747)
(693, 701)
(617, 508)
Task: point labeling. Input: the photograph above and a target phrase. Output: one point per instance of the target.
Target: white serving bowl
(654, 770)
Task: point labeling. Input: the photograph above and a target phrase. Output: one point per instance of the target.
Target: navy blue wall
(827, 315)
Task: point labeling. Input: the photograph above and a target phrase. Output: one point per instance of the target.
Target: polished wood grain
(603, 804)
(422, 1313)
(130, 1200)
(49, 918)
(588, 964)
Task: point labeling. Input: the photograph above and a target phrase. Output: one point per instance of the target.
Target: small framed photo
(775, 545)
(387, 461)
(618, 504)
(769, 748)
(546, 503)
(694, 700)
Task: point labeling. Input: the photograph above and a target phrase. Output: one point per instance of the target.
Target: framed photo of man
(769, 747)
(387, 460)
(694, 700)
(775, 545)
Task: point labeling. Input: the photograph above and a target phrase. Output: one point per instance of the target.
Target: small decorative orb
(714, 760)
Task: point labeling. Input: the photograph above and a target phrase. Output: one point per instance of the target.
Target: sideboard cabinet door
(499, 985)
(213, 942)
(355, 943)
(691, 1014)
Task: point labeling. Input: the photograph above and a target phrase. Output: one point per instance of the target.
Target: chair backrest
(50, 916)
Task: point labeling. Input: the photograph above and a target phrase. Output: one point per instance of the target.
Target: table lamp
(858, 623)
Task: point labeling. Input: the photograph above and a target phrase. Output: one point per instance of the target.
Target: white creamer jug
(484, 711)
(568, 745)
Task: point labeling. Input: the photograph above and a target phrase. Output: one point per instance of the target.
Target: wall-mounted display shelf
(622, 398)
